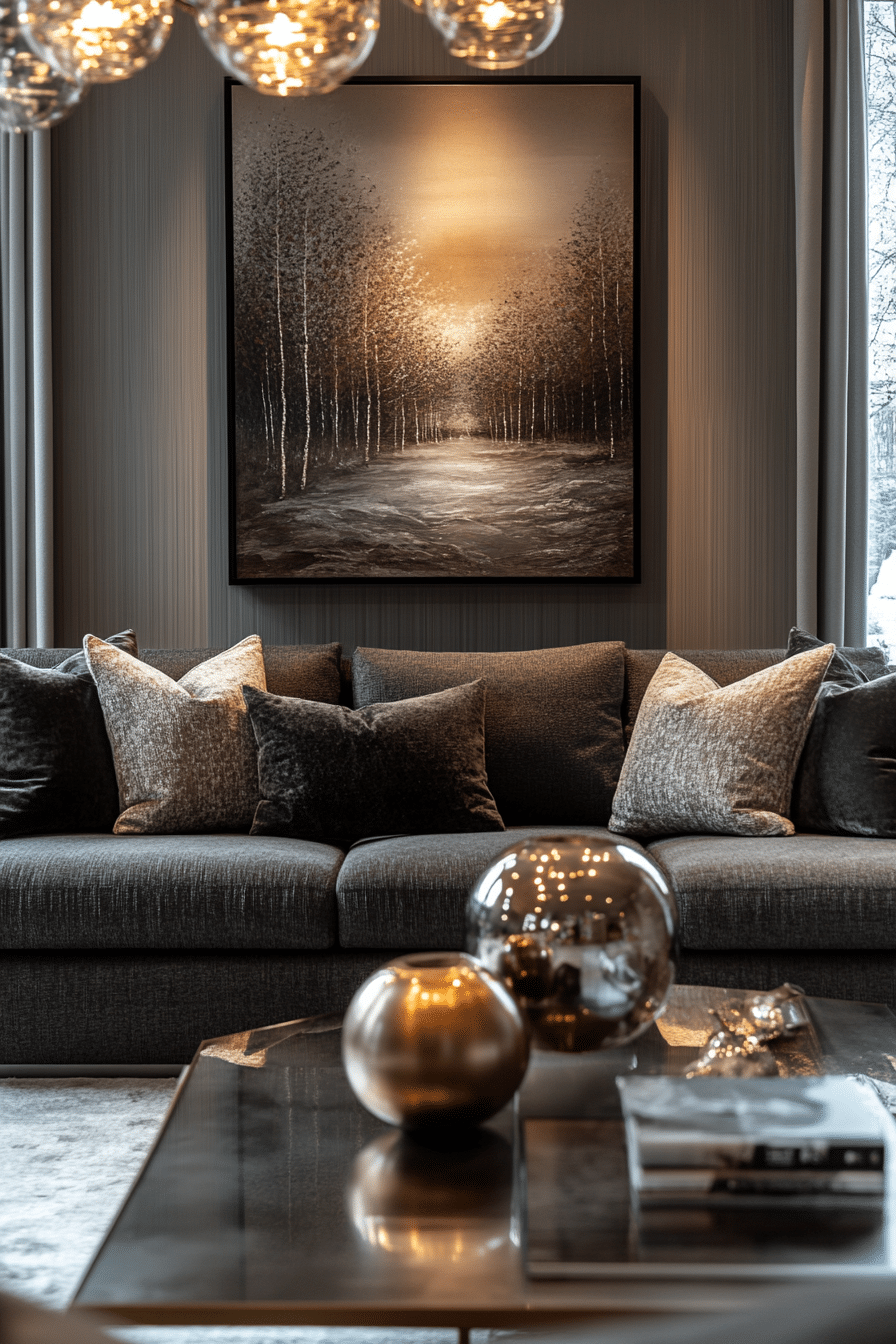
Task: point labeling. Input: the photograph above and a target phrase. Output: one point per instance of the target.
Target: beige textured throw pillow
(721, 760)
(185, 754)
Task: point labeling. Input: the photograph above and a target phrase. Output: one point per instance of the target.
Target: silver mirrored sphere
(433, 1040)
(581, 930)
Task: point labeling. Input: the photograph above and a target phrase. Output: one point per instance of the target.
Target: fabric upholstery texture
(336, 775)
(308, 670)
(167, 891)
(808, 892)
(706, 758)
(846, 781)
(723, 665)
(553, 731)
(156, 1007)
(845, 667)
(56, 767)
(868, 977)
(184, 751)
(411, 891)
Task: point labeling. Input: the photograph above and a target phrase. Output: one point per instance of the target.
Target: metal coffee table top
(272, 1197)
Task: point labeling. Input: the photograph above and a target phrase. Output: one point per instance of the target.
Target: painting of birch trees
(433, 357)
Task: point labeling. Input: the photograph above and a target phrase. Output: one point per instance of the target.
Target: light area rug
(69, 1150)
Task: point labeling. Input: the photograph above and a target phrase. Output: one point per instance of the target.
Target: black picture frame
(519, 360)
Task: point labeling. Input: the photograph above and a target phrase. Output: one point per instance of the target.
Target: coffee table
(272, 1197)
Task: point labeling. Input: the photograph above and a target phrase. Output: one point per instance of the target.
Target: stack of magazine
(722, 1141)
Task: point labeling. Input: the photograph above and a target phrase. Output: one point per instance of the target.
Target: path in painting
(465, 508)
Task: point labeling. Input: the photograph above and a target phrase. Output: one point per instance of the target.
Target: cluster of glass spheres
(51, 51)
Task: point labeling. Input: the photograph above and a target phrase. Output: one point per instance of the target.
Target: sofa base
(154, 1008)
(860, 976)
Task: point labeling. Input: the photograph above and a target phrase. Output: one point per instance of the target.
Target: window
(880, 60)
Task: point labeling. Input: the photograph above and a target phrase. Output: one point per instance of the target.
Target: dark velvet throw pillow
(337, 775)
(56, 767)
(846, 780)
(848, 667)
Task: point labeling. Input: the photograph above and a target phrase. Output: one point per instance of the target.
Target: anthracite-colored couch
(131, 949)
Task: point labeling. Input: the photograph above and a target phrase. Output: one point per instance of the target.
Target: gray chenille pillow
(184, 751)
(336, 775)
(718, 760)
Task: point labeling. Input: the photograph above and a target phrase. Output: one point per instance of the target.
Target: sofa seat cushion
(411, 891)
(804, 892)
(167, 891)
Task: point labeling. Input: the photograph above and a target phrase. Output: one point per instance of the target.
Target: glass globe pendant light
(97, 41)
(496, 34)
(290, 47)
(33, 96)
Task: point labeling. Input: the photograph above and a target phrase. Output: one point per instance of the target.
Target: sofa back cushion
(309, 671)
(553, 725)
(724, 666)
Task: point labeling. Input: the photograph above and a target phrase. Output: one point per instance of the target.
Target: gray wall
(140, 355)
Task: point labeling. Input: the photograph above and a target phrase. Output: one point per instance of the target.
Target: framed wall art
(434, 331)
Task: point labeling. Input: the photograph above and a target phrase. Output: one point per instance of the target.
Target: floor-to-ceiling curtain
(830, 155)
(27, 390)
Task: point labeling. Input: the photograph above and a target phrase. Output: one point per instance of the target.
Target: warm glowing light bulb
(290, 48)
(496, 14)
(33, 96)
(494, 35)
(99, 42)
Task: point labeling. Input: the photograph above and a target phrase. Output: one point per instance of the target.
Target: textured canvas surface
(184, 751)
(717, 759)
(336, 775)
(553, 727)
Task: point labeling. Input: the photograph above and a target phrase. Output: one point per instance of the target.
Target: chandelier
(51, 51)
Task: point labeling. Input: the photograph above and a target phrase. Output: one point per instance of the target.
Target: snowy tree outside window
(880, 57)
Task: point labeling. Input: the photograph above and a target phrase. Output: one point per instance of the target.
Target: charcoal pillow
(337, 775)
(718, 760)
(849, 667)
(56, 767)
(846, 781)
(553, 721)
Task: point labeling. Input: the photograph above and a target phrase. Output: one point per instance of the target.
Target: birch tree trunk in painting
(307, 446)
(603, 332)
(282, 352)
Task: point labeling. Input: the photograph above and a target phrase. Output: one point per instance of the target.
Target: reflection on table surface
(270, 1183)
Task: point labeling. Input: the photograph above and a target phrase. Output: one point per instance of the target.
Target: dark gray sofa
(130, 949)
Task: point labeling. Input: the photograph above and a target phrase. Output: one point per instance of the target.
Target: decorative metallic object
(496, 34)
(581, 930)
(432, 1040)
(740, 1049)
(33, 95)
(290, 47)
(428, 1203)
(97, 41)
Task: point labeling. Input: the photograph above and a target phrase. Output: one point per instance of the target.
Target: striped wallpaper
(139, 355)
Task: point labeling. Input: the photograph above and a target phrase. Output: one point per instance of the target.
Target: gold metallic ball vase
(581, 929)
(434, 1040)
